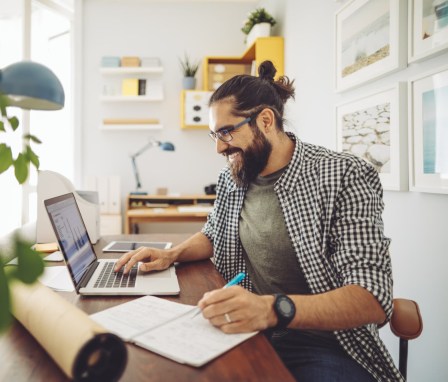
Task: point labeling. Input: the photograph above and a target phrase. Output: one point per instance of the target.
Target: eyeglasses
(224, 133)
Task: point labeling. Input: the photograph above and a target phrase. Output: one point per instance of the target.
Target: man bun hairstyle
(250, 94)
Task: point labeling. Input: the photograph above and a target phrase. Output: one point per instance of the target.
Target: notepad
(169, 329)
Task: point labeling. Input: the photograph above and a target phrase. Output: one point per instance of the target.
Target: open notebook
(169, 329)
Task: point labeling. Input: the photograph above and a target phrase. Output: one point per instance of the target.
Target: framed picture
(428, 132)
(370, 41)
(374, 128)
(428, 28)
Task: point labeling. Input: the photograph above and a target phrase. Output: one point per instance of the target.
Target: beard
(252, 161)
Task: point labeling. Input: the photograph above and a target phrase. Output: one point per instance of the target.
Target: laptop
(93, 276)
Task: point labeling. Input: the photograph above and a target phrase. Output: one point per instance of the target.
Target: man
(305, 224)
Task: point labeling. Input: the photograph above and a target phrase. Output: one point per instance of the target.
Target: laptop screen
(72, 234)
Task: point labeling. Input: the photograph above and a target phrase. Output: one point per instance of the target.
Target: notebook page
(190, 340)
(136, 316)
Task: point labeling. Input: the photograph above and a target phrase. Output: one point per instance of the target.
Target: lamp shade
(167, 146)
(30, 85)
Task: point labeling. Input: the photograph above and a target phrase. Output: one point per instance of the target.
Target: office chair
(406, 323)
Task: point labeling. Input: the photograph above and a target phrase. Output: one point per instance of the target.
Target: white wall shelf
(131, 70)
(135, 127)
(156, 98)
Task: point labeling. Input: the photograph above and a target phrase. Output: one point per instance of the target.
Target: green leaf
(21, 168)
(5, 157)
(33, 158)
(33, 138)
(5, 301)
(3, 104)
(14, 122)
(2, 126)
(31, 265)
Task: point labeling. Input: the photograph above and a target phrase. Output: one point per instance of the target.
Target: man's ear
(267, 120)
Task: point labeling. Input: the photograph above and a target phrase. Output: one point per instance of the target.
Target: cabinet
(130, 112)
(217, 70)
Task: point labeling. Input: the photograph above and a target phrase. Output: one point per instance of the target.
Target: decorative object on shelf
(370, 41)
(189, 70)
(165, 146)
(110, 62)
(194, 109)
(130, 61)
(428, 28)
(373, 128)
(428, 132)
(30, 86)
(257, 24)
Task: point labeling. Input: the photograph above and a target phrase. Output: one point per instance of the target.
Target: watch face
(285, 307)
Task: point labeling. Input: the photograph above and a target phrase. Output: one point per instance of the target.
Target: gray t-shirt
(268, 252)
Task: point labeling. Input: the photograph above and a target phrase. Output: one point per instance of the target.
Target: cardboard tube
(81, 348)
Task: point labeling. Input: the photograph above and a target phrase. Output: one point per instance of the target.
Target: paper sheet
(57, 278)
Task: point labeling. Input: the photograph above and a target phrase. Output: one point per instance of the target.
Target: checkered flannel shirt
(332, 205)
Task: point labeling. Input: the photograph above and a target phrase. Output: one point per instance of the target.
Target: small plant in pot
(189, 70)
(257, 24)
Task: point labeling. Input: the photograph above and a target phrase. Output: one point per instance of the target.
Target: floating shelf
(131, 98)
(131, 70)
(127, 127)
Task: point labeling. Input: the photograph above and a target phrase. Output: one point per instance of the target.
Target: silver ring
(228, 319)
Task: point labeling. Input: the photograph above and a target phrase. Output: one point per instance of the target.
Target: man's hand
(154, 259)
(235, 310)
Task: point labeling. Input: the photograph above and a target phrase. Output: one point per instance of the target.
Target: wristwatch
(285, 310)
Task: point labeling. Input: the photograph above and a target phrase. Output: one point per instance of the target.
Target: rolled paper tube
(84, 350)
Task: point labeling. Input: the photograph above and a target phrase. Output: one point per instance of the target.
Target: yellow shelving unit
(264, 48)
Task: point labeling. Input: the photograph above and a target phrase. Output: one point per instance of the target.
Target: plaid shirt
(332, 205)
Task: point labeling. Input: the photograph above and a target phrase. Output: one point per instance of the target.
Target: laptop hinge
(86, 278)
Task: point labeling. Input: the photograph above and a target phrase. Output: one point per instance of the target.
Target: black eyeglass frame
(224, 134)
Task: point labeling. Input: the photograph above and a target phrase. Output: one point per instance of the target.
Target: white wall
(416, 222)
(166, 30)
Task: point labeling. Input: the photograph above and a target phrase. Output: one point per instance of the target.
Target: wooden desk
(23, 359)
(164, 208)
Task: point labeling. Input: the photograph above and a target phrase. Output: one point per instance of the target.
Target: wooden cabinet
(217, 70)
(129, 112)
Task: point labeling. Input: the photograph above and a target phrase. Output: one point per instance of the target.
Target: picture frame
(428, 132)
(371, 41)
(194, 109)
(374, 128)
(428, 28)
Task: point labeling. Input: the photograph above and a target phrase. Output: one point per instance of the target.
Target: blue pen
(236, 280)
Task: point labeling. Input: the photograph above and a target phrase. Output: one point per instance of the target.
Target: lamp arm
(145, 147)
(137, 177)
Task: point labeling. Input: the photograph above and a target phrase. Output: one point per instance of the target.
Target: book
(170, 329)
(141, 87)
(129, 87)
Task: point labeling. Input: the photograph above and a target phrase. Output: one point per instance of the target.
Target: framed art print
(428, 132)
(428, 28)
(374, 128)
(370, 40)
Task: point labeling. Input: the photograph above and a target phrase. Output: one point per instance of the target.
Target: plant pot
(258, 30)
(189, 83)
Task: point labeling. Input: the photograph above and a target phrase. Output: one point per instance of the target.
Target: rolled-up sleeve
(360, 249)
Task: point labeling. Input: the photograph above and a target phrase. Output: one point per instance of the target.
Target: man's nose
(221, 146)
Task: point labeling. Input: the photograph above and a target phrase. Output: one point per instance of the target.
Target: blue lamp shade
(30, 85)
(167, 146)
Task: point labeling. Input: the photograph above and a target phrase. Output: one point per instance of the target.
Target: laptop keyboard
(110, 279)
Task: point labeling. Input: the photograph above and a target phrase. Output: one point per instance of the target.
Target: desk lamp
(165, 146)
(31, 86)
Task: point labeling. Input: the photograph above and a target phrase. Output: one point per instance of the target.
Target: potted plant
(257, 24)
(189, 69)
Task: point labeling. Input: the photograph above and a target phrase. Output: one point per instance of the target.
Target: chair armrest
(406, 321)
